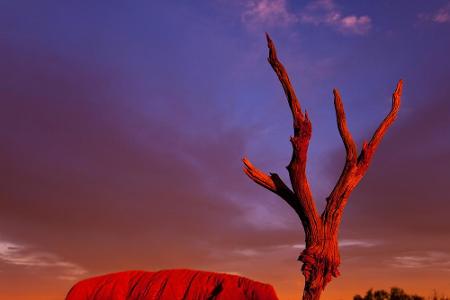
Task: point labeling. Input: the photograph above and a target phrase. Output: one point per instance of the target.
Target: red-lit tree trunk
(321, 255)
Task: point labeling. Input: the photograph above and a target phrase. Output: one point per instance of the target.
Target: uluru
(170, 284)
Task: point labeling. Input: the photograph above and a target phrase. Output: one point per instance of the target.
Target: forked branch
(273, 183)
(370, 148)
(355, 168)
(300, 143)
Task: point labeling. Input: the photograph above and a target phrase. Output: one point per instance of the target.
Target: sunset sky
(123, 125)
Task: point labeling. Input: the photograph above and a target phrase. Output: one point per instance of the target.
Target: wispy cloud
(429, 259)
(267, 12)
(20, 255)
(346, 243)
(260, 250)
(248, 253)
(326, 12)
(357, 243)
(441, 15)
(318, 12)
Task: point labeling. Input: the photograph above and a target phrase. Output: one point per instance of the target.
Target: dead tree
(321, 255)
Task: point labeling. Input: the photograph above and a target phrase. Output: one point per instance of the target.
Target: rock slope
(170, 285)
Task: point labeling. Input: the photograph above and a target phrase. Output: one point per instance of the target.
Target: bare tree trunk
(321, 255)
(320, 263)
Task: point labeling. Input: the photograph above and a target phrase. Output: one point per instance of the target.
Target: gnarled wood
(273, 183)
(321, 255)
(300, 143)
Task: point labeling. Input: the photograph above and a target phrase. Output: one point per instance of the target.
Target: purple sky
(123, 124)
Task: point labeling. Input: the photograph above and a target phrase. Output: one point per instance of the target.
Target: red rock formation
(170, 285)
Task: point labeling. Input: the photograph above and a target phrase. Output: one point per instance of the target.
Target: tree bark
(320, 264)
(321, 255)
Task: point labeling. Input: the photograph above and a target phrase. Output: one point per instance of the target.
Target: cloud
(354, 24)
(319, 12)
(283, 241)
(428, 259)
(268, 12)
(441, 15)
(246, 252)
(20, 255)
(346, 243)
(325, 12)
(357, 243)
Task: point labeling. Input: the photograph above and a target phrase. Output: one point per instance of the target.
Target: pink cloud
(268, 12)
(442, 15)
(325, 12)
(355, 24)
(273, 13)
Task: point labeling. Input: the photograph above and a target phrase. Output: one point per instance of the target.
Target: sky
(123, 125)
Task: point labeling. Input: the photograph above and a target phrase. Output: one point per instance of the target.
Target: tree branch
(354, 169)
(350, 146)
(369, 149)
(273, 183)
(281, 72)
(300, 143)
